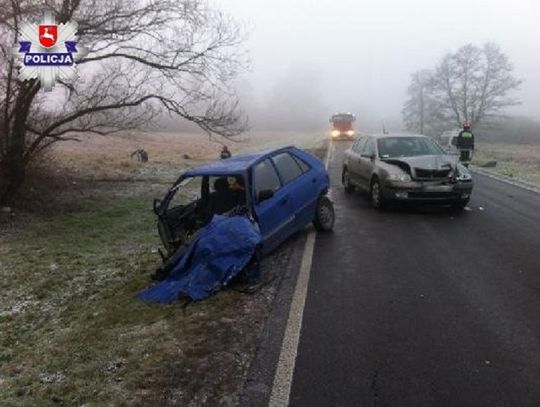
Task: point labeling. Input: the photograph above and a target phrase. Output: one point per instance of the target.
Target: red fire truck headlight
(335, 133)
(350, 133)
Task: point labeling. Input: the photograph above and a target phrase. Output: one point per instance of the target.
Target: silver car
(406, 168)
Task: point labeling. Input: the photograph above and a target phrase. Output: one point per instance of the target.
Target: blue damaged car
(280, 190)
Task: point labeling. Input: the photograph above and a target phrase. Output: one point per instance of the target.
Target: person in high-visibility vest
(465, 144)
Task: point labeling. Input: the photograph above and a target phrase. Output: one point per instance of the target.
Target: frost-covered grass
(71, 327)
(519, 161)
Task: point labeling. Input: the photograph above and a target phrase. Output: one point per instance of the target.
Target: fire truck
(342, 126)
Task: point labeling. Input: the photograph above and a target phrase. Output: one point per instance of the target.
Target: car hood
(427, 162)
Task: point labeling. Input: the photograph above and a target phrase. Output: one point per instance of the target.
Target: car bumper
(342, 136)
(428, 192)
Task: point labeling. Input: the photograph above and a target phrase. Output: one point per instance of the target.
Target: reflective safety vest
(465, 140)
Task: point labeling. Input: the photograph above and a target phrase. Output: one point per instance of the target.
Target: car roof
(393, 135)
(235, 165)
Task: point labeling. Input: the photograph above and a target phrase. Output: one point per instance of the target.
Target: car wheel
(324, 214)
(376, 196)
(346, 180)
(459, 205)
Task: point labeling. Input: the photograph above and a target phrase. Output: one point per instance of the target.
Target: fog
(312, 58)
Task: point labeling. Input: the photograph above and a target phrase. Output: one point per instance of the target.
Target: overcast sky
(359, 54)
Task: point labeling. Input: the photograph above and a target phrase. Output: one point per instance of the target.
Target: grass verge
(72, 330)
(519, 161)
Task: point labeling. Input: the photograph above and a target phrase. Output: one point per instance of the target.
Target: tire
(324, 215)
(346, 181)
(375, 195)
(459, 205)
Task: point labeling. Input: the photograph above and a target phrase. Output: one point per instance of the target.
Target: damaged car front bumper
(428, 191)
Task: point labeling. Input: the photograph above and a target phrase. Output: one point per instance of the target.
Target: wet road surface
(422, 307)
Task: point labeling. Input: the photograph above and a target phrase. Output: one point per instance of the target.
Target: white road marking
(329, 154)
(281, 387)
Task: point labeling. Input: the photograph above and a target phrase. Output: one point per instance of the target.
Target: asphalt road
(421, 307)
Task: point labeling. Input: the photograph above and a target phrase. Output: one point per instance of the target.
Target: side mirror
(370, 156)
(157, 204)
(264, 195)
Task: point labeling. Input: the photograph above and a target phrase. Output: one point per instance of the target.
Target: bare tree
(144, 57)
(416, 107)
(471, 84)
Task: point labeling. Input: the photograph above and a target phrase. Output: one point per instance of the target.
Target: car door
(176, 214)
(367, 162)
(271, 204)
(301, 184)
(354, 160)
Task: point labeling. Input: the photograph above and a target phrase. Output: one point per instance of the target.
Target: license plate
(438, 188)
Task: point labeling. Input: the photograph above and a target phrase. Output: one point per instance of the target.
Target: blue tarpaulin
(220, 252)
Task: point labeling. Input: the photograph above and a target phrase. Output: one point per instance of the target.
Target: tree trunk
(13, 171)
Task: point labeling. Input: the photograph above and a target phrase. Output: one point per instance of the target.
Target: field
(518, 161)
(72, 261)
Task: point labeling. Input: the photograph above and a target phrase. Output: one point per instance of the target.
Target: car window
(369, 148)
(408, 147)
(265, 177)
(188, 191)
(287, 167)
(359, 145)
(305, 167)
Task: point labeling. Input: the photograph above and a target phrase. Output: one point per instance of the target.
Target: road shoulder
(508, 180)
(260, 377)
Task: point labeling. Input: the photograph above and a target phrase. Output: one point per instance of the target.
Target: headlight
(350, 132)
(335, 133)
(464, 177)
(463, 173)
(399, 177)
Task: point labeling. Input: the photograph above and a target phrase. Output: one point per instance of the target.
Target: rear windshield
(391, 147)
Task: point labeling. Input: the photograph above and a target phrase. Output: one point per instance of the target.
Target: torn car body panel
(277, 188)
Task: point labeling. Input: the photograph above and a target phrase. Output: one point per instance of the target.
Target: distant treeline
(510, 129)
